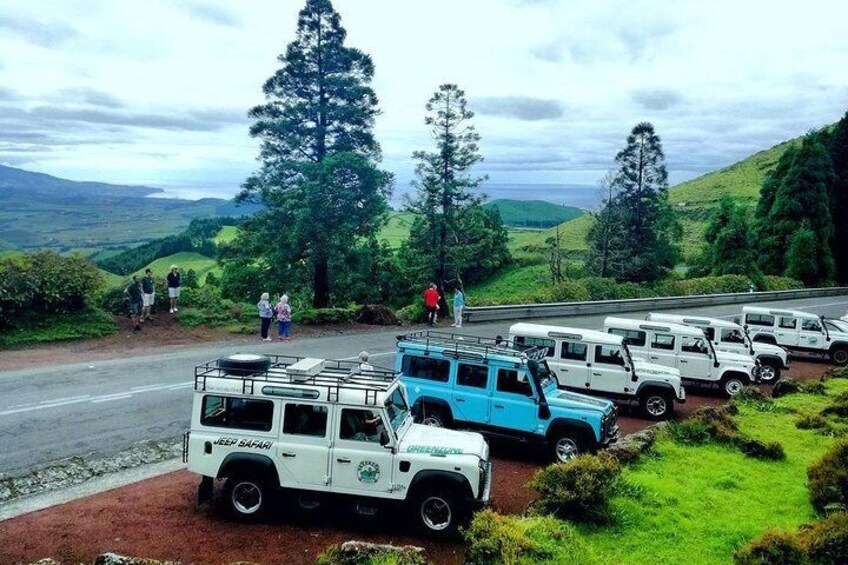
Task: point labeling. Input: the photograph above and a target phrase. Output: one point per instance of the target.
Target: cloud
(656, 98)
(202, 120)
(36, 32)
(85, 95)
(518, 107)
(213, 14)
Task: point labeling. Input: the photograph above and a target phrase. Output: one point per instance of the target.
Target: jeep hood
(435, 441)
(761, 348)
(562, 398)
(652, 370)
(727, 358)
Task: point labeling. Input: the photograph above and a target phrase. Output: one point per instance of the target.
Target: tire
(246, 497)
(733, 384)
(839, 355)
(435, 417)
(656, 405)
(565, 445)
(769, 372)
(438, 513)
(244, 364)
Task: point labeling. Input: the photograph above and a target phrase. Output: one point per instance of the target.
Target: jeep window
(514, 382)
(696, 345)
(305, 420)
(813, 326)
(732, 335)
(663, 341)
(426, 368)
(574, 350)
(630, 337)
(788, 323)
(474, 376)
(397, 409)
(360, 425)
(759, 320)
(239, 413)
(528, 342)
(609, 355)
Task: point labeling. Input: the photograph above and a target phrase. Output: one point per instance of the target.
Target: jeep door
(513, 401)
(607, 371)
(812, 334)
(787, 330)
(303, 452)
(662, 349)
(570, 364)
(471, 393)
(358, 463)
(694, 360)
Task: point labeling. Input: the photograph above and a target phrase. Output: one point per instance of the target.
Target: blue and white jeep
(475, 383)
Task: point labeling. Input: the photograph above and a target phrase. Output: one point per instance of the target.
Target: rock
(46, 561)
(115, 559)
(785, 386)
(353, 552)
(629, 448)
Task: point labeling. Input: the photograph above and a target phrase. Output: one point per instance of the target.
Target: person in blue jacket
(458, 307)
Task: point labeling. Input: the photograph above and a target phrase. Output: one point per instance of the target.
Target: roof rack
(461, 345)
(334, 376)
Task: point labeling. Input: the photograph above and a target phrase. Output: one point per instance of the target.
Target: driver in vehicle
(361, 425)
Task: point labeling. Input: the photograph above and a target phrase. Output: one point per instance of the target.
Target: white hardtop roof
(646, 325)
(778, 312)
(563, 332)
(692, 320)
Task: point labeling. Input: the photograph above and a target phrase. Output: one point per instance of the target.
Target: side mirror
(384, 438)
(626, 369)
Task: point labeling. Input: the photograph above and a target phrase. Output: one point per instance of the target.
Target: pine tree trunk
(320, 283)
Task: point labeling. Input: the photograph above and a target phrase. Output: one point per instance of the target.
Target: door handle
(564, 370)
(460, 399)
(596, 374)
(343, 460)
(684, 361)
(654, 357)
(499, 406)
(288, 454)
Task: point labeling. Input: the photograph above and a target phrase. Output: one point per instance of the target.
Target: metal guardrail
(554, 310)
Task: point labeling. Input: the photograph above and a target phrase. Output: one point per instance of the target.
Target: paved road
(106, 406)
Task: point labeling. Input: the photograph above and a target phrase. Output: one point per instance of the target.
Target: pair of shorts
(173, 292)
(135, 308)
(148, 299)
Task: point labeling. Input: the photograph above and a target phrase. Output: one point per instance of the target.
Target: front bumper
(681, 397)
(485, 485)
(611, 429)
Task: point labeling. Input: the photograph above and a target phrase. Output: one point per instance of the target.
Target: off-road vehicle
(800, 332)
(687, 349)
(323, 430)
(468, 382)
(600, 364)
(731, 337)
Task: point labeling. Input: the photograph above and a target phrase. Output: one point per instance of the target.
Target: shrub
(608, 289)
(689, 433)
(836, 373)
(827, 480)
(87, 323)
(812, 422)
(717, 424)
(412, 314)
(773, 283)
(771, 451)
(752, 396)
(359, 553)
(704, 285)
(569, 291)
(838, 407)
(579, 489)
(812, 387)
(785, 386)
(826, 541)
(377, 315)
(773, 548)
(324, 316)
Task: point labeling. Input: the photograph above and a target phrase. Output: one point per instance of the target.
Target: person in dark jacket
(148, 295)
(174, 288)
(133, 293)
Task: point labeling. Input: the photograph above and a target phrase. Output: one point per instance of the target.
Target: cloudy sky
(156, 92)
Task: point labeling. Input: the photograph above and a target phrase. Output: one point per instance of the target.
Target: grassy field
(396, 231)
(533, 213)
(87, 324)
(201, 264)
(226, 235)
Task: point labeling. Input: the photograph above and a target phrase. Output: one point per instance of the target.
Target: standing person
(284, 318)
(148, 295)
(266, 314)
(458, 307)
(431, 303)
(174, 288)
(133, 293)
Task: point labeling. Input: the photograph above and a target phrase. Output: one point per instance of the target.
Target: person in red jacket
(431, 303)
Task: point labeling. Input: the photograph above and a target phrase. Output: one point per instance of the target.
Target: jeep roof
(778, 312)
(691, 320)
(560, 332)
(286, 376)
(678, 329)
(468, 347)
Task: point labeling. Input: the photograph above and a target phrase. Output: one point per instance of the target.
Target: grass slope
(201, 264)
(226, 235)
(533, 213)
(396, 230)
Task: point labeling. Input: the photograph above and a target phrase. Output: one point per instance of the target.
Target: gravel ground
(158, 517)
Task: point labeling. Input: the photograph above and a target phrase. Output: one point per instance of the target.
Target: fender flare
(770, 357)
(431, 400)
(656, 384)
(584, 427)
(838, 344)
(235, 462)
(458, 483)
(744, 377)
(763, 337)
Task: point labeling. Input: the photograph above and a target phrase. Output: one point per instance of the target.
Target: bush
(359, 553)
(704, 285)
(579, 489)
(324, 316)
(812, 387)
(412, 314)
(376, 315)
(836, 373)
(569, 291)
(771, 451)
(785, 386)
(608, 289)
(84, 324)
(773, 548)
(773, 283)
(812, 422)
(754, 397)
(838, 407)
(826, 541)
(827, 480)
(717, 424)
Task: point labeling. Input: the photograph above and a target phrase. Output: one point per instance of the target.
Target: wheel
(656, 405)
(565, 445)
(840, 356)
(437, 513)
(246, 497)
(434, 417)
(733, 385)
(244, 364)
(769, 372)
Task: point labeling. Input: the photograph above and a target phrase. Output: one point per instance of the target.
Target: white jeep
(733, 338)
(600, 364)
(800, 332)
(324, 430)
(687, 349)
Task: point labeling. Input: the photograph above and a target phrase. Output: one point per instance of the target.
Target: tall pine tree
(771, 256)
(837, 145)
(318, 176)
(648, 231)
(729, 249)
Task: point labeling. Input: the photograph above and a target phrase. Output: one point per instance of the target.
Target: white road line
(110, 399)
(82, 397)
(41, 407)
(145, 387)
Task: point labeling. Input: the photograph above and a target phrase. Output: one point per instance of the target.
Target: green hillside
(201, 264)
(533, 213)
(226, 235)
(396, 231)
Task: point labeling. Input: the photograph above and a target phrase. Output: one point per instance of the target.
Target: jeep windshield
(544, 376)
(627, 356)
(397, 409)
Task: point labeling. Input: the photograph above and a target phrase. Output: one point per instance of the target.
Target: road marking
(110, 399)
(82, 397)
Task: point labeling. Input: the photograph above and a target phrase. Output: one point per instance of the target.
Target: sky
(157, 92)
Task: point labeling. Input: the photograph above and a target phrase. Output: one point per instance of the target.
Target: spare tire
(244, 364)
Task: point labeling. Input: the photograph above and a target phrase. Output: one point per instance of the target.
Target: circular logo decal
(368, 472)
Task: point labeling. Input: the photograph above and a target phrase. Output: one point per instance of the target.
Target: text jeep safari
(797, 331)
(600, 364)
(327, 429)
(687, 349)
(733, 338)
(471, 382)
